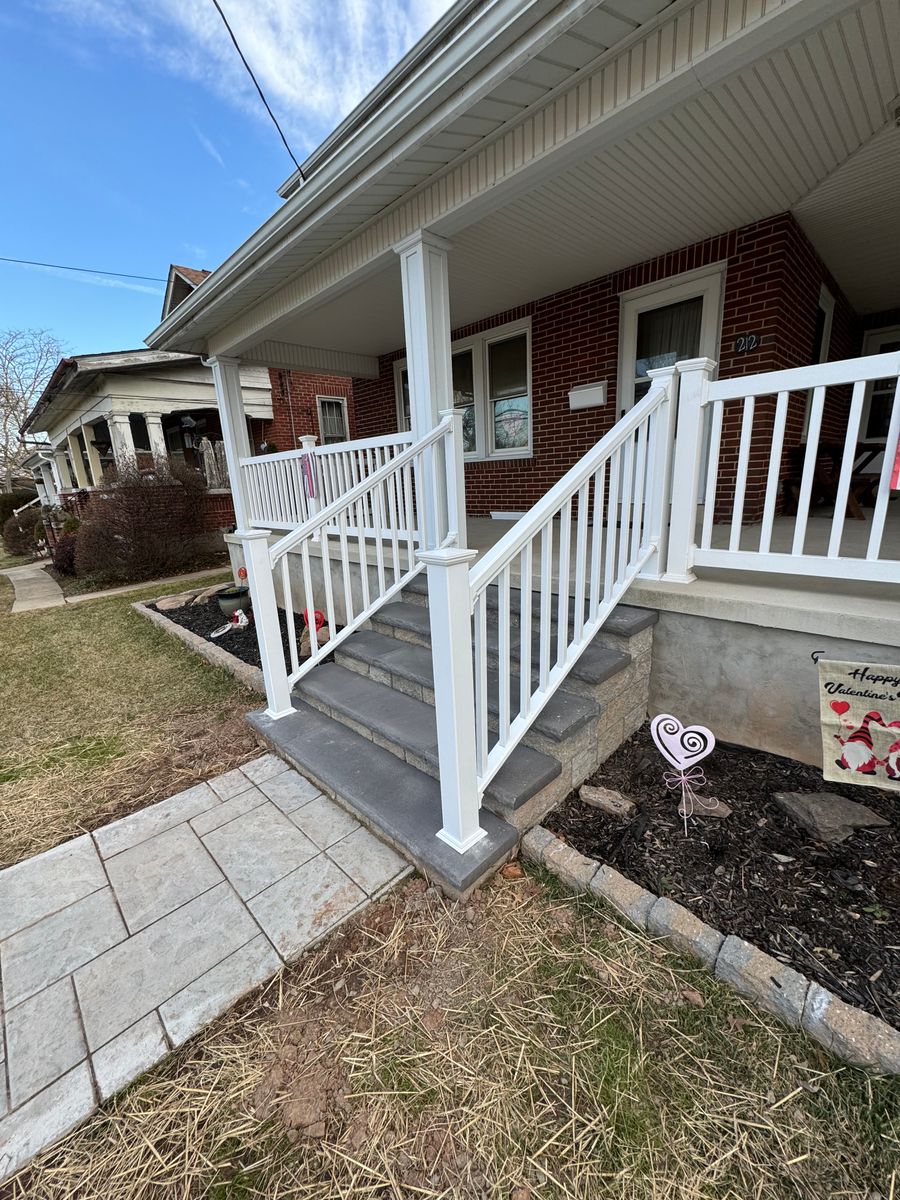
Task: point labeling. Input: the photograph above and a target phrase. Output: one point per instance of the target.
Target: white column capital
(687, 365)
(223, 360)
(422, 237)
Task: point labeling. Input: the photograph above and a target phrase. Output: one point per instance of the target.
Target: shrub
(64, 553)
(18, 534)
(70, 525)
(142, 526)
(11, 500)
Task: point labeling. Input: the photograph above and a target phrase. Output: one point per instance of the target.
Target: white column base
(458, 846)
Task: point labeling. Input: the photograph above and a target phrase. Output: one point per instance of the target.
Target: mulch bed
(203, 618)
(830, 911)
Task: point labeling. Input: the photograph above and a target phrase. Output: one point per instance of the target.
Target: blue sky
(132, 138)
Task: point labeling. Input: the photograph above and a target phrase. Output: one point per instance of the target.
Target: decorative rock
(686, 932)
(208, 593)
(167, 603)
(536, 843)
(605, 799)
(632, 901)
(706, 806)
(305, 649)
(764, 980)
(829, 817)
(573, 869)
(853, 1035)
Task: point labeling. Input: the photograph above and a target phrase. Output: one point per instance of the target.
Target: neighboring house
(647, 260)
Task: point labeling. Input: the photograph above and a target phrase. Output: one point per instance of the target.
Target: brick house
(617, 291)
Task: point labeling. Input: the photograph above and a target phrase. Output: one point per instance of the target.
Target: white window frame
(872, 339)
(706, 282)
(479, 345)
(342, 400)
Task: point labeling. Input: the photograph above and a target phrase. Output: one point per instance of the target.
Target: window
(332, 419)
(492, 387)
(660, 324)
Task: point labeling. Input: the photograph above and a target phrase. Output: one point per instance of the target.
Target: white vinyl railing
(284, 490)
(822, 507)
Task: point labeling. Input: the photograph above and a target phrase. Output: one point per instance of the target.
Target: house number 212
(746, 343)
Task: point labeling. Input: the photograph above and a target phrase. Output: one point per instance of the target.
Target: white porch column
(63, 474)
(124, 454)
(77, 459)
(157, 438)
(313, 503)
(52, 481)
(95, 467)
(694, 376)
(449, 608)
(229, 398)
(426, 321)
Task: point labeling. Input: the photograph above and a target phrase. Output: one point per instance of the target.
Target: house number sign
(746, 343)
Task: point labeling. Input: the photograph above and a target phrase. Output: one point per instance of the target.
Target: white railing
(354, 555)
(822, 505)
(284, 490)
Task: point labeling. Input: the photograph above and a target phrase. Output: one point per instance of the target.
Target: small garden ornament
(684, 747)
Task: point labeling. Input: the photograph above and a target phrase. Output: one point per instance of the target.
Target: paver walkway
(120, 945)
(34, 588)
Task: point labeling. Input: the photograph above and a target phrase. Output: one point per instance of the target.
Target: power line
(27, 262)
(258, 88)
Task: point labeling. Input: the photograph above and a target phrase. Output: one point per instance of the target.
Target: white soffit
(853, 219)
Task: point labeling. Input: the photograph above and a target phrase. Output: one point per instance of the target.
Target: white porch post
(694, 376)
(449, 605)
(158, 446)
(64, 475)
(657, 486)
(426, 322)
(124, 453)
(313, 503)
(456, 479)
(77, 459)
(94, 465)
(52, 481)
(254, 542)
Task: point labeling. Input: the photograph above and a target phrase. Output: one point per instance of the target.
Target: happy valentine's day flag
(860, 714)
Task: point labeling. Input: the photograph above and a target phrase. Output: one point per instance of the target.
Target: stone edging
(847, 1031)
(249, 676)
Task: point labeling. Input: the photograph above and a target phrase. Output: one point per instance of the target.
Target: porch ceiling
(805, 129)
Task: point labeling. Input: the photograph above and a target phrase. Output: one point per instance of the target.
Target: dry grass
(103, 714)
(522, 1046)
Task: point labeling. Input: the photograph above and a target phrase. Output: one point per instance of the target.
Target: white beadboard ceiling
(810, 129)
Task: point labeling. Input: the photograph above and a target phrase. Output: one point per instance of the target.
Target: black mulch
(831, 911)
(203, 618)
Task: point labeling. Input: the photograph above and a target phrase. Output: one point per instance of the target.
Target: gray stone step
(561, 718)
(408, 726)
(393, 798)
(597, 663)
(624, 621)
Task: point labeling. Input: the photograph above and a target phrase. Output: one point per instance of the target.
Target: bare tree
(27, 357)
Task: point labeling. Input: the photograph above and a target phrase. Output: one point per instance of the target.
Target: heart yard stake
(684, 747)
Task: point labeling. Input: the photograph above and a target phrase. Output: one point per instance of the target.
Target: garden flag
(860, 713)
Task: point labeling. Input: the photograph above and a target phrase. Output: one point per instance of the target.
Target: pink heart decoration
(681, 746)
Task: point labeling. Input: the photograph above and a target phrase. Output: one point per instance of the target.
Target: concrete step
(407, 728)
(394, 799)
(401, 664)
(597, 663)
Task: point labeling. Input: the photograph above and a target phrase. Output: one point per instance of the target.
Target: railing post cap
(695, 364)
(251, 535)
(447, 556)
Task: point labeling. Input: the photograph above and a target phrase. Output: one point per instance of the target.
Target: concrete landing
(118, 946)
(34, 588)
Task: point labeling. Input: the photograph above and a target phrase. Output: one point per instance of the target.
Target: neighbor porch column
(63, 474)
(158, 446)
(694, 375)
(52, 483)
(429, 361)
(94, 464)
(124, 454)
(77, 459)
(229, 398)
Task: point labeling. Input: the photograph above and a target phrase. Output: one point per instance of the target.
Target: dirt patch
(830, 911)
(203, 619)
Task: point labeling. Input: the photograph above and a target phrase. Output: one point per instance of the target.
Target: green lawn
(104, 713)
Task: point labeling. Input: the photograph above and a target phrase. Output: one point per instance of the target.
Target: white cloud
(97, 279)
(315, 59)
(208, 145)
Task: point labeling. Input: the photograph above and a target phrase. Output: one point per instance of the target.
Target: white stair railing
(590, 535)
(354, 555)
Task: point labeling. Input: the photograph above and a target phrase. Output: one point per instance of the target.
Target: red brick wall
(772, 283)
(294, 409)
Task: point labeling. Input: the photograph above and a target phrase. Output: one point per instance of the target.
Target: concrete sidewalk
(119, 945)
(34, 588)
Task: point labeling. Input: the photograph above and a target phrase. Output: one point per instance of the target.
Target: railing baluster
(625, 509)
(774, 474)
(525, 630)
(809, 469)
(503, 631)
(884, 483)
(546, 601)
(849, 457)
(309, 597)
(329, 587)
(562, 582)
(580, 561)
(743, 467)
(612, 524)
(408, 505)
(481, 689)
(596, 542)
(638, 507)
(287, 599)
(378, 524)
(345, 566)
(392, 485)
